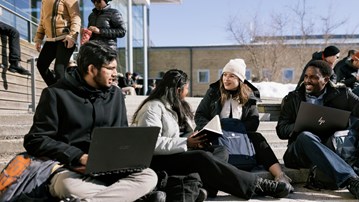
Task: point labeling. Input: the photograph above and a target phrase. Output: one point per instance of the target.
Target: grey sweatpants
(68, 184)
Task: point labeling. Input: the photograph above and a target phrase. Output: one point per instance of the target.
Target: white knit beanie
(236, 67)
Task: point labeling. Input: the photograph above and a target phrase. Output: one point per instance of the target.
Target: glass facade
(24, 15)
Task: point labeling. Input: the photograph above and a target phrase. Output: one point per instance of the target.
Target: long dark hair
(170, 88)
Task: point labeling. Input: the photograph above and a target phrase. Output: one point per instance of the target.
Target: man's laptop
(320, 120)
(121, 149)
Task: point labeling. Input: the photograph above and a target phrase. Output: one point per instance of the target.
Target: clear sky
(203, 22)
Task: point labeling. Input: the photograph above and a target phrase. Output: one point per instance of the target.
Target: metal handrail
(29, 22)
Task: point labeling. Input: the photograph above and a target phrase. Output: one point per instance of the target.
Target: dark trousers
(309, 150)
(214, 173)
(50, 51)
(264, 153)
(14, 42)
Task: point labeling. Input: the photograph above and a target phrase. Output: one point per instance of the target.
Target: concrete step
(16, 119)
(13, 131)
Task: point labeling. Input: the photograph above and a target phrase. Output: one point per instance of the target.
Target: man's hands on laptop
(83, 162)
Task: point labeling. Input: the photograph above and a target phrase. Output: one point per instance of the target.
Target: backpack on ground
(25, 178)
(179, 188)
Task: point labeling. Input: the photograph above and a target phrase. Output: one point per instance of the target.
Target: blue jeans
(309, 150)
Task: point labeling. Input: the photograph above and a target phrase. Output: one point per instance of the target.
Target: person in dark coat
(330, 55)
(106, 23)
(67, 113)
(232, 89)
(306, 149)
(347, 73)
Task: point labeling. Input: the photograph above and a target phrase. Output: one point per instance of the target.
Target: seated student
(330, 55)
(348, 73)
(306, 149)
(67, 113)
(126, 84)
(180, 151)
(14, 49)
(232, 94)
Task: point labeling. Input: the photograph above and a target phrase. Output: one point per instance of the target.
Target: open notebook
(213, 129)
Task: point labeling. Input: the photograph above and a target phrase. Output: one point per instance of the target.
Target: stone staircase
(14, 126)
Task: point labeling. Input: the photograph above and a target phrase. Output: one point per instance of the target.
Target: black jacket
(110, 23)
(210, 106)
(67, 113)
(336, 97)
(345, 74)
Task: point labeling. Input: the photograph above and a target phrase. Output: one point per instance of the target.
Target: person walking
(60, 23)
(106, 23)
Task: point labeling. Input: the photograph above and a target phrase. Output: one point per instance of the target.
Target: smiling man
(67, 113)
(317, 89)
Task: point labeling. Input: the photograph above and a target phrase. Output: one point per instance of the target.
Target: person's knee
(150, 178)
(306, 136)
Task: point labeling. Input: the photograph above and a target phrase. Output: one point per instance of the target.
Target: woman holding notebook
(179, 152)
(233, 96)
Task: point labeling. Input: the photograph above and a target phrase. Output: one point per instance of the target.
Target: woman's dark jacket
(336, 97)
(211, 106)
(67, 113)
(110, 23)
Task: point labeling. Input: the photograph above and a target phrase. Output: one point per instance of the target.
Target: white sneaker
(284, 178)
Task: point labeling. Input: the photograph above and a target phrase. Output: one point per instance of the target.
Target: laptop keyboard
(120, 172)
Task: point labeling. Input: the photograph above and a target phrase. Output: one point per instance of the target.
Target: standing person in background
(67, 113)
(14, 49)
(60, 22)
(106, 23)
(330, 55)
(180, 151)
(233, 94)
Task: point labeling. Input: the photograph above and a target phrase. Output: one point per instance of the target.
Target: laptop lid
(320, 119)
(121, 148)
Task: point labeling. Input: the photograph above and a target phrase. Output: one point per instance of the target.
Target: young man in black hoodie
(67, 113)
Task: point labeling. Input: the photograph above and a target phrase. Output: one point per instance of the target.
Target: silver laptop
(320, 120)
(121, 149)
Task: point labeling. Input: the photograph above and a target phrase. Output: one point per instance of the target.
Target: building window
(287, 75)
(220, 73)
(203, 76)
(248, 74)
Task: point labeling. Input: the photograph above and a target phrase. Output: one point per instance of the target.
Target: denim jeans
(309, 150)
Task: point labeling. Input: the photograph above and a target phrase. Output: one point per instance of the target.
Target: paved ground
(300, 194)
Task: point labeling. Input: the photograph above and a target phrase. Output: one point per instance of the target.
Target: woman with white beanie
(233, 96)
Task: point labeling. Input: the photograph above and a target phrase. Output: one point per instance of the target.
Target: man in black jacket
(67, 113)
(106, 23)
(306, 149)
